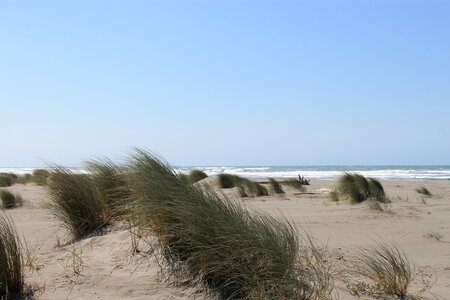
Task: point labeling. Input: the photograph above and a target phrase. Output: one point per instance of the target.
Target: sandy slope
(102, 267)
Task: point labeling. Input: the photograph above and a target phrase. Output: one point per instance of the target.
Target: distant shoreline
(387, 173)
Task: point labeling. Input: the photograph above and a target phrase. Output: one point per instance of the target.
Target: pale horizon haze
(210, 83)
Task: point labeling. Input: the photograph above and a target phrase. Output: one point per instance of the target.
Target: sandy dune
(102, 267)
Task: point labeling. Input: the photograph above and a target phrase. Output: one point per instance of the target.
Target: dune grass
(334, 196)
(357, 189)
(275, 186)
(5, 180)
(10, 200)
(215, 242)
(296, 184)
(196, 175)
(87, 203)
(387, 266)
(246, 187)
(227, 181)
(75, 203)
(11, 269)
(22, 179)
(424, 191)
(111, 187)
(253, 188)
(40, 176)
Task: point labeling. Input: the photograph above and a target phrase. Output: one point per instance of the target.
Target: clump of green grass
(111, 187)
(276, 186)
(241, 191)
(197, 175)
(357, 189)
(12, 282)
(424, 191)
(334, 196)
(22, 179)
(252, 188)
(5, 180)
(10, 200)
(214, 241)
(387, 266)
(40, 176)
(296, 184)
(75, 202)
(245, 186)
(87, 203)
(228, 181)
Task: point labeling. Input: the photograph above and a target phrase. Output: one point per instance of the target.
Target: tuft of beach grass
(75, 203)
(10, 200)
(358, 188)
(275, 186)
(246, 187)
(5, 180)
(12, 282)
(197, 175)
(296, 184)
(387, 266)
(40, 176)
(424, 191)
(110, 184)
(215, 242)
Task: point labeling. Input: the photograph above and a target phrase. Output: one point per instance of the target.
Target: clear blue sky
(232, 82)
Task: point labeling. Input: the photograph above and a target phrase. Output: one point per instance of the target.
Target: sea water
(309, 172)
(332, 172)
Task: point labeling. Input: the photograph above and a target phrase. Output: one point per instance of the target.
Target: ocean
(332, 172)
(309, 172)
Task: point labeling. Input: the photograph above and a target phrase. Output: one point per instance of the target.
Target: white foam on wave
(291, 172)
(23, 171)
(386, 174)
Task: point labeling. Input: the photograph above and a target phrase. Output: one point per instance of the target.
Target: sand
(103, 267)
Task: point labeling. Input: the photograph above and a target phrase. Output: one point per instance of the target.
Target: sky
(237, 82)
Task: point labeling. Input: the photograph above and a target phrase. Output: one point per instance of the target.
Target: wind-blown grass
(246, 187)
(10, 200)
(111, 187)
(40, 176)
(11, 268)
(357, 188)
(253, 188)
(296, 184)
(387, 266)
(5, 180)
(197, 175)
(22, 179)
(75, 203)
(216, 242)
(276, 186)
(85, 203)
(227, 181)
(424, 191)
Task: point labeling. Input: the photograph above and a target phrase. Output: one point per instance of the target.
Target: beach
(104, 267)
